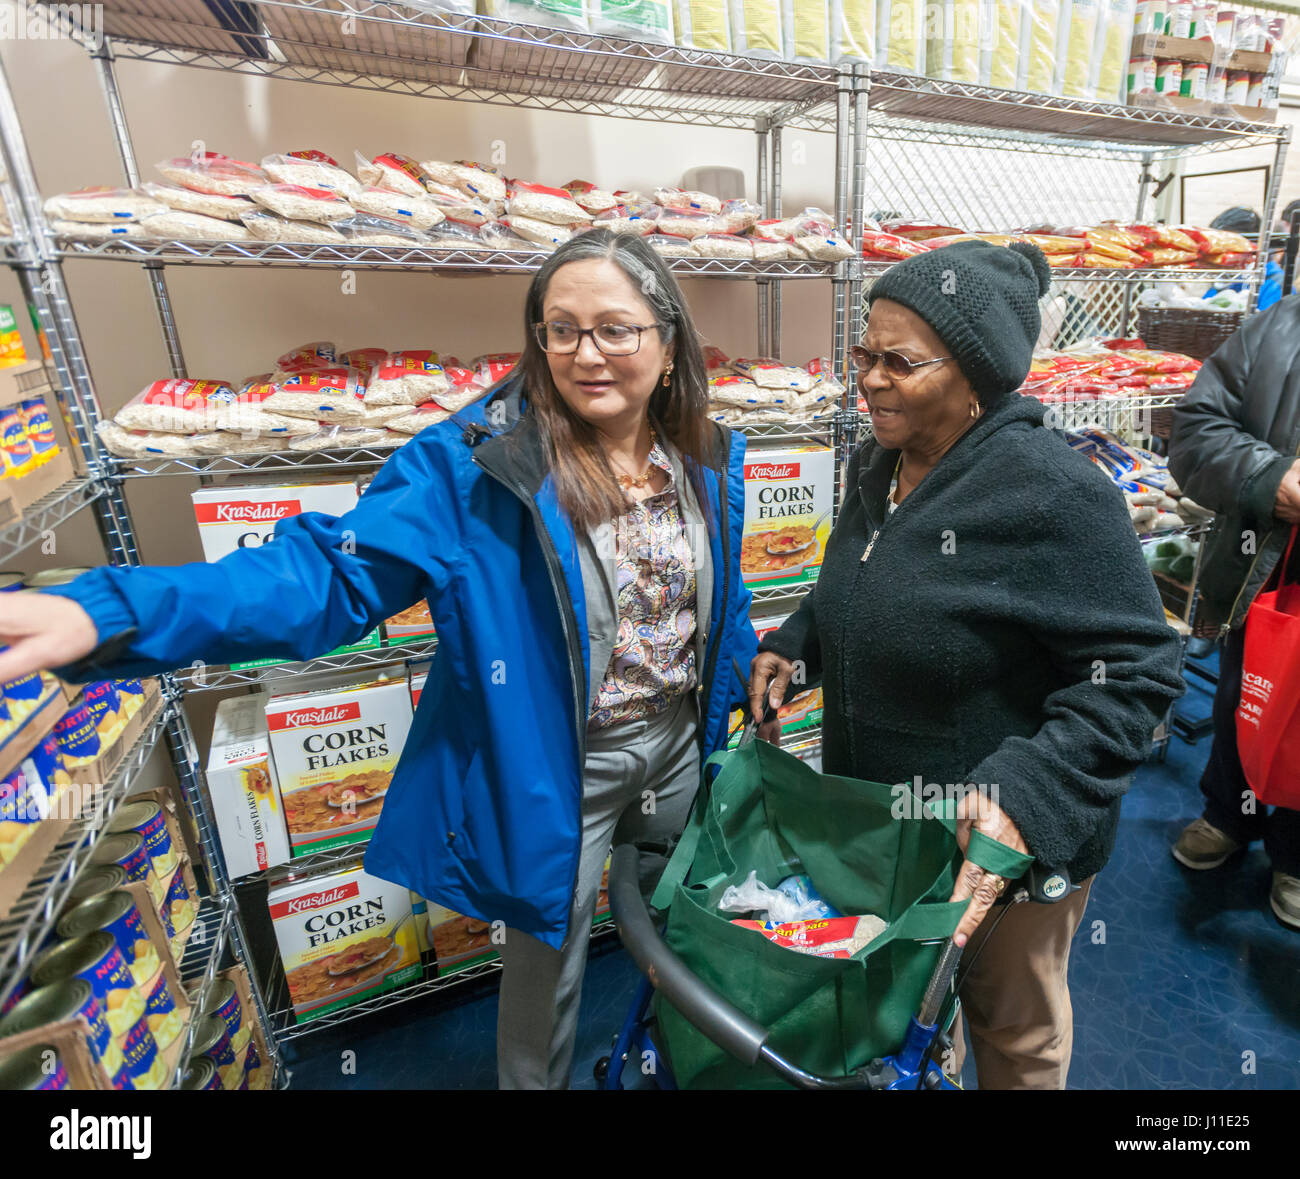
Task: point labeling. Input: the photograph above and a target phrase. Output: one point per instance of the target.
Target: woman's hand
(980, 813)
(42, 631)
(770, 674)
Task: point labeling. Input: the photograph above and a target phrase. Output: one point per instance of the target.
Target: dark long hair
(585, 484)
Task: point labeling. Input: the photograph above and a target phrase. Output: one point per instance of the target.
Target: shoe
(1285, 899)
(1202, 845)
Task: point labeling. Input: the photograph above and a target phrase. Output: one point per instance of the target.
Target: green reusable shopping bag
(868, 849)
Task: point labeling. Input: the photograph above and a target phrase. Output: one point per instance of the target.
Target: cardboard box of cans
(32, 463)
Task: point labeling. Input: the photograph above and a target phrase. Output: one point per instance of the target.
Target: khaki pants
(1016, 1000)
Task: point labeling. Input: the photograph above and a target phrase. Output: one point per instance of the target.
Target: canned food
(1149, 17)
(252, 1062)
(96, 958)
(1179, 21)
(15, 447)
(179, 905)
(1225, 29)
(1196, 80)
(77, 737)
(212, 1039)
(1218, 92)
(68, 999)
(48, 578)
(105, 706)
(94, 882)
(116, 912)
(40, 430)
(1255, 90)
(10, 582)
(1274, 31)
(143, 1059)
(127, 849)
(29, 688)
(1142, 75)
(24, 803)
(1205, 17)
(1169, 76)
(161, 1013)
(147, 820)
(131, 693)
(202, 1074)
(37, 1067)
(1238, 87)
(223, 1001)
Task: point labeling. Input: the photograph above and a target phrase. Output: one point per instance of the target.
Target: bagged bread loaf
(393, 171)
(266, 226)
(114, 205)
(213, 173)
(419, 212)
(298, 203)
(406, 378)
(311, 169)
(186, 200)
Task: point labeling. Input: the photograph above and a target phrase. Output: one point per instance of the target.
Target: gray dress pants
(638, 784)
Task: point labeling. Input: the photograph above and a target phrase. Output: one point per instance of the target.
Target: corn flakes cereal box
(788, 497)
(458, 941)
(242, 784)
(344, 936)
(334, 753)
(803, 706)
(412, 625)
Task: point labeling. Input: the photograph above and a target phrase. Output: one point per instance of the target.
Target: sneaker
(1285, 899)
(1202, 845)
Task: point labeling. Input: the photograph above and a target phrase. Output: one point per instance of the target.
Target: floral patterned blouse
(654, 655)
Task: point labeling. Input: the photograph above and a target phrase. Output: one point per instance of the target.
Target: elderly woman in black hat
(984, 616)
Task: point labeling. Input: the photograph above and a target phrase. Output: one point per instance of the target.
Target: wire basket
(1194, 333)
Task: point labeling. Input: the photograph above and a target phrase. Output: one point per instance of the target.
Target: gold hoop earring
(668, 373)
(974, 411)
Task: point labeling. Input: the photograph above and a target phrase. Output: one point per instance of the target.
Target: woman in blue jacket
(577, 537)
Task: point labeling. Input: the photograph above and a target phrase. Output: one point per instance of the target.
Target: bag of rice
(406, 378)
(186, 200)
(815, 234)
(298, 203)
(224, 442)
(716, 361)
(418, 212)
(825, 378)
(683, 223)
(770, 251)
(635, 218)
(756, 27)
(364, 360)
(311, 169)
(540, 203)
(553, 14)
(391, 439)
(103, 204)
(365, 229)
(722, 245)
(271, 227)
(543, 233)
(304, 358)
(456, 235)
(96, 230)
(459, 206)
(695, 202)
(738, 215)
(461, 394)
(415, 420)
(641, 20)
(774, 229)
(734, 391)
(192, 227)
(497, 235)
(379, 415)
(212, 172)
(670, 245)
(336, 437)
(246, 414)
(703, 24)
(178, 405)
(478, 180)
(394, 171)
(774, 374)
(588, 196)
(492, 367)
(143, 443)
(332, 395)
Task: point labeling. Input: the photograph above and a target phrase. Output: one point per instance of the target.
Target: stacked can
(127, 849)
(1169, 76)
(1180, 20)
(1205, 18)
(212, 1039)
(16, 452)
(36, 1067)
(68, 999)
(40, 430)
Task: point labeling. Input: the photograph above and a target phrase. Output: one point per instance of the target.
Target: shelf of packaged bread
(407, 49)
(207, 678)
(1049, 117)
(27, 525)
(415, 257)
(286, 1027)
(34, 885)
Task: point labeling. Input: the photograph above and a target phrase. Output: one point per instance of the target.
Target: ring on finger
(1001, 886)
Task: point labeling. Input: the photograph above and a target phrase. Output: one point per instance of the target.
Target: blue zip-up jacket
(483, 814)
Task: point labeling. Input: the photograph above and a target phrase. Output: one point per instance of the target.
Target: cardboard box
(334, 753)
(331, 929)
(788, 497)
(1196, 106)
(458, 941)
(243, 788)
(260, 1075)
(69, 1039)
(1175, 48)
(26, 382)
(419, 673)
(159, 1021)
(410, 626)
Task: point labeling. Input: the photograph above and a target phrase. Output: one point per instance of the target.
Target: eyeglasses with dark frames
(896, 364)
(611, 339)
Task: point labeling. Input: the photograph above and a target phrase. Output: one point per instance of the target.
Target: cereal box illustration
(458, 941)
(344, 936)
(788, 497)
(334, 753)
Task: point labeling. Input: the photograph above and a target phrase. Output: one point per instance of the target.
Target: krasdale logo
(315, 900)
(772, 471)
(247, 512)
(298, 718)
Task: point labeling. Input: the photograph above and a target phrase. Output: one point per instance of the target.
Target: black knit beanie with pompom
(982, 300)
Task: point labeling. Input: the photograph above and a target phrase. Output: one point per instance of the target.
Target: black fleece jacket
(1005, 630)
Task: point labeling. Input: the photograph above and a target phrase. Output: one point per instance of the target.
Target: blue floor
(1189, 982)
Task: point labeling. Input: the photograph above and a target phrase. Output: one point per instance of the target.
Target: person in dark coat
(1235, 447)
(984, 616)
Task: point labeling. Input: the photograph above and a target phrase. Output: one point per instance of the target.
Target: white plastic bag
(852, 31)
(953, 40)
(299, 203)
(212, 172)
(769, 904)
(186, 200)
(419, 212)
(271, 227)
(114, 205)
(311, 169)
(173, 225)
(554, 205)
(639, 20)
(394, 171)
(805, 30)
(1000, 47)
(478, 180)
(900, 36)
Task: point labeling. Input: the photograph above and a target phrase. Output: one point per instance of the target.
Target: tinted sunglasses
(896, 364)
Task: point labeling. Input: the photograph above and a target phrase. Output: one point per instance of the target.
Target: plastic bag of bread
(365, 229)
(1093, 260)
(393, 171)
(406, 378)
(670, 245)
(774, 374)
(1167, 258)
(311, 169)
(640, 218)
(594, 200)
(212, 172)
(298, 203)
(1218, 241)
(266, 226)
(177, 405)
(696, 202)
(419, 212)
(1164, 236)
(103, 204)
(173, 225)
(186, 200)
(542, 233)
(918, 231)
(886, 245)
(1056, 243)
(545, 204)
(478, 180)
(722, 245)
(685, 223)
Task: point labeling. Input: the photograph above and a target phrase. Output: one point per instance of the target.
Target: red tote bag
(1268, 717)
